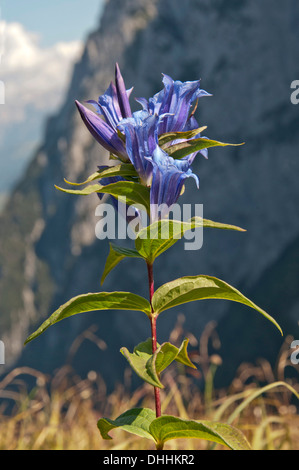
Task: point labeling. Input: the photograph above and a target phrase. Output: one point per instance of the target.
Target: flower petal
(122, 94)
(167, 182)
(141, 140)
(109, 106)
(102, 132)
(176, 99)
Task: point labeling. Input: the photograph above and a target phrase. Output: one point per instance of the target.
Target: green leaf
(142, 422)
(167, 353)
(148, 366)
(115, 256)
(136, 421)
(162, 358)
(182, 355)
(191, 288)
(170, 136)
(125, 169)
(158, 237)
(140, 361)
(130, 192)
(92, 302)
(166, 428)
(199, 221)
(183, 149)
(93, 188)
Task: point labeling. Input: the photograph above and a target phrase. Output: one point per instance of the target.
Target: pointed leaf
(182, 355)
(191, 288)
(153, 240)
(92, 302)
(158, 237)
(167, 353)
(139, 361)
(183, 149)
(129, 192)
(166, 428)
(136, 421)
(170, 136)
(125, 169)
(162, 358)
(115, 256)
(148, 366)
(93, 188)
(198, 221)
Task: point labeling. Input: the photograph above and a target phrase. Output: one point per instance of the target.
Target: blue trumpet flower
(176, 100)
(102, 132)
(167, 182)
(134, 137)
(141, 132)
(111, 108)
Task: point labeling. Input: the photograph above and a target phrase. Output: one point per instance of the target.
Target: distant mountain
(246, 54)
(16, 147)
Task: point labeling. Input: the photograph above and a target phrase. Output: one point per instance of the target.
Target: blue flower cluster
(134, 137)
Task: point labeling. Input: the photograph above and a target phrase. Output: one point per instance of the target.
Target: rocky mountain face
(246, 54)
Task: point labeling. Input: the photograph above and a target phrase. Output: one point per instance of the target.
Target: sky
(39, 44)
(53, 20)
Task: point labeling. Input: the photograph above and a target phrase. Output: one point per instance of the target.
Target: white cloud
(33, 81)
(32, 75)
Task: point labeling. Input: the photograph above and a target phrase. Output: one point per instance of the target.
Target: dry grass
(61, 412)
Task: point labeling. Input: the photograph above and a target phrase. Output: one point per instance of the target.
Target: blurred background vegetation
(60, 411)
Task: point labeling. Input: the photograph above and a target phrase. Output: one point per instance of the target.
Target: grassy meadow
(60, 412)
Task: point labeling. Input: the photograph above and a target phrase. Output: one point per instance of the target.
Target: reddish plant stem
(153, 319)
(150, 281)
